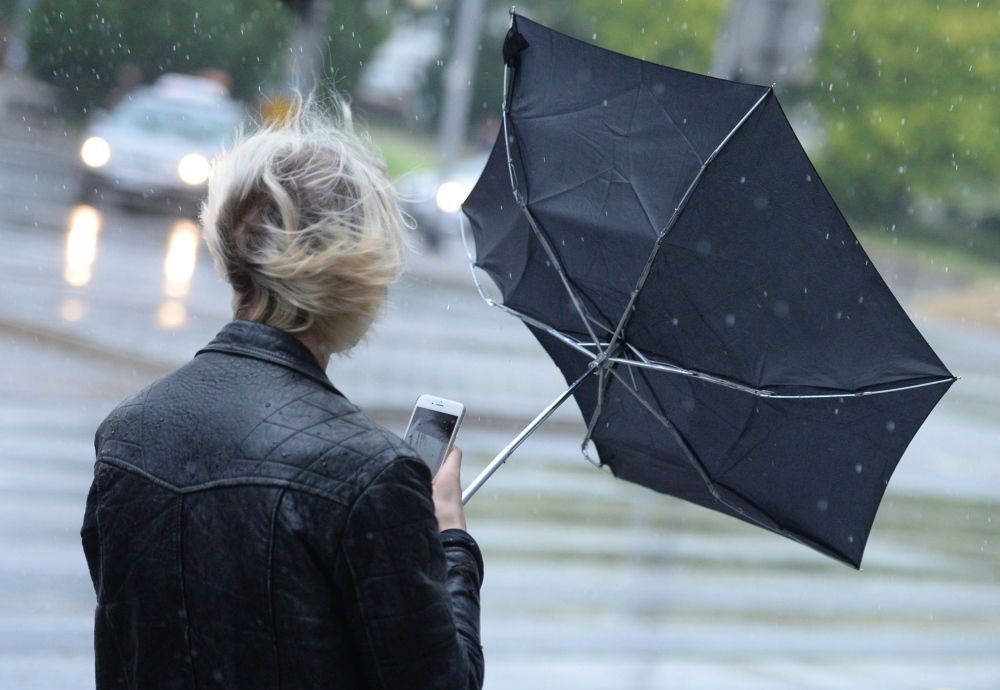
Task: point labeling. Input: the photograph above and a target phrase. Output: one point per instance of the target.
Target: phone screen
(429, 434)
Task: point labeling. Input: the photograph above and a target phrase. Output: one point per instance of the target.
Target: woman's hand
(447, 491)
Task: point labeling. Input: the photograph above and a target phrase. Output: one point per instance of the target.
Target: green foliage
(353, 34)
(81, 45)
(679, 33)
(7, 10)
(908, 92)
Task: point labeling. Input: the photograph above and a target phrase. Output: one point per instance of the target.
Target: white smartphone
(432, 429)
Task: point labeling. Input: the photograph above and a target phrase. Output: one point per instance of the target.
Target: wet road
(590, 583)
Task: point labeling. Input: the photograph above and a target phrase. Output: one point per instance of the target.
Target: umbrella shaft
(502, 456)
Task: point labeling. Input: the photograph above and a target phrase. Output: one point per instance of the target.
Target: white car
(435, 201)
(159, 141)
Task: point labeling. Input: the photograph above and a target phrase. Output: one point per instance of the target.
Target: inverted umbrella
(667, 240)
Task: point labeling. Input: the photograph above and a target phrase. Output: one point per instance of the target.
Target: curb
(53, 337)
(155, 368)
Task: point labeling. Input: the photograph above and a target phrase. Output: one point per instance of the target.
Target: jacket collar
(271, 344)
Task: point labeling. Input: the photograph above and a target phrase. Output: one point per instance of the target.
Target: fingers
(452, 465)
(447, 492)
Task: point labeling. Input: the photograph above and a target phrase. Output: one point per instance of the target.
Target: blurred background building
(110, 113)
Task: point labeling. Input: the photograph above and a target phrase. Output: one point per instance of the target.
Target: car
(434, 200)
(158, 143)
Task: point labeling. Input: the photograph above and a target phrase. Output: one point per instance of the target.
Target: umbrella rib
(568, 340)
(501, 457)
(602, 385)
(713, 487)
(531, 321)
(763, 392)
(522, 202)
(676, 215)
(557, 265)
(692, 458)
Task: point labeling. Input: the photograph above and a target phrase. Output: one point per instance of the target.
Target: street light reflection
(178, 269)
(171, 314)
(81, 244)
(182, 255)
(72, 309)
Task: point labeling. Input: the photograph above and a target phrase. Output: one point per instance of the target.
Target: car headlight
(450, 196)
(95, 152)
(193, 169)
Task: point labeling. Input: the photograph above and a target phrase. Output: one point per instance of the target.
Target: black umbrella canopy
(668, 241)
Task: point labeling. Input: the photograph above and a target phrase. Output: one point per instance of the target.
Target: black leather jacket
(249, 527)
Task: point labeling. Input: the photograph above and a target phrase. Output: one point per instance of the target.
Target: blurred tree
(679, 33)
(908, 92)
(82, 45)
(354, 29)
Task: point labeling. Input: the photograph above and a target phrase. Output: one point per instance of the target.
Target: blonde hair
(302, 220)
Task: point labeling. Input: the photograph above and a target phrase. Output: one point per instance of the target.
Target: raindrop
(890, 426)
(730, 319)
(861, 299)
(858, 468)
(822, 504)
(850, 538)
(674, 321)
(743, 179)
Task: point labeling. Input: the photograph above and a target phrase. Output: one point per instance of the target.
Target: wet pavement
(591, 583)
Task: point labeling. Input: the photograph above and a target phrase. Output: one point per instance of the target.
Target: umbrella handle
(502, 456)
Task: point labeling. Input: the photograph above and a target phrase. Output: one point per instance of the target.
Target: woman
(249, 527)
